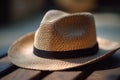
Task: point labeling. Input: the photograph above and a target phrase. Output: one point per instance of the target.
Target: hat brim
(21, 54)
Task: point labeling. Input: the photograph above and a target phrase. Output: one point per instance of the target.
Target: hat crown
(60, 31)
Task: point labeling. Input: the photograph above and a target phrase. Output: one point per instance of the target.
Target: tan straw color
(61, 33)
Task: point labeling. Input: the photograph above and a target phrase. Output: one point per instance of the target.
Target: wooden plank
(21, 74)
(83, 76)
(112, 74)
(42, 75)
(6, 67)
(63, 75)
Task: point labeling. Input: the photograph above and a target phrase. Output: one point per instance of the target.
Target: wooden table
(108, 69)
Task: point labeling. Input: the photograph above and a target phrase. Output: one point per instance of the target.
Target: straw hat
(62, 41)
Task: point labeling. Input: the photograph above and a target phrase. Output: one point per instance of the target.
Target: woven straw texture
(21, 54)
(66, 32)
(60, 31)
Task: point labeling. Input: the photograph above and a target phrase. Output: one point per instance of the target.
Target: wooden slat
(85, 73)
(6, 67)
(63, 75)
(21, 74)
(112, 74)
(42, 75)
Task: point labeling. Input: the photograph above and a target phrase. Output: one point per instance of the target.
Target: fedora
(61, 42)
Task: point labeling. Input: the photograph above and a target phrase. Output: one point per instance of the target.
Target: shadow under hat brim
(21, 54)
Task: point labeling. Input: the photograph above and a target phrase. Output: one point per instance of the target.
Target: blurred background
(18, 17)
